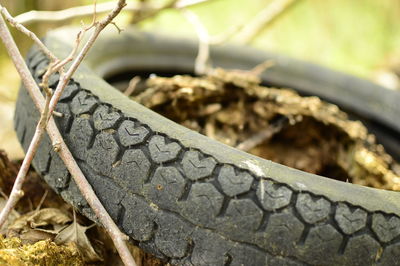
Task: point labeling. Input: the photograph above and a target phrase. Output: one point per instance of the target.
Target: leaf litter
(38, 225)
(76, 233)
(52, 234)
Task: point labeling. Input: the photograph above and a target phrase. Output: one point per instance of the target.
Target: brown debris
(76, 233)
(8, 172)
(38, 225)
(46, 236)
(34, 188)
(277, 124)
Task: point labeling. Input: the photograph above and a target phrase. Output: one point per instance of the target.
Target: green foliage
(348, 35)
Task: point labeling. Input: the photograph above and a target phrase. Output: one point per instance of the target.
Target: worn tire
(191, 200)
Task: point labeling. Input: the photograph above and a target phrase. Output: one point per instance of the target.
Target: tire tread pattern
(186, 207)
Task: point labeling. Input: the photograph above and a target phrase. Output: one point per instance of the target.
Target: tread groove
(280, 209)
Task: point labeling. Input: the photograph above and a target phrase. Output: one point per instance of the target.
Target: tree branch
(83, 11)
(13, 22)
(70, 13)
(132, 85)
(203, 54)
(84, 186)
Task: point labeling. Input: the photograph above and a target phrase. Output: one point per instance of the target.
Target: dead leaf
(41, 218)
(34, 235)
(48, 216)
(76, 233)
(28, 226)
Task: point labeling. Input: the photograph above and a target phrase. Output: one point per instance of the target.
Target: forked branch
(87, 191)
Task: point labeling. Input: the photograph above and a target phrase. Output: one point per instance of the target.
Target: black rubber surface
(193, 201)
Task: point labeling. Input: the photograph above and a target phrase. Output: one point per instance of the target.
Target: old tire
(191, 200)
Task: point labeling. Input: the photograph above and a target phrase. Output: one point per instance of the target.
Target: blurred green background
(358, 37)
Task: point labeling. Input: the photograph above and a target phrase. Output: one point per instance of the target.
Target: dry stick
(202, 62)
(105, 219)
(260, 68)
(84, 186)
(42, 200)
(203, 54)
(13, 22)
(22, 69)
(70, 13)
(47, 52)
(98, 27)
(132, 86)
(263, 19)
(258, 138)
(58, 66)
(244, 33)
(55, 64)
(52, 68)
(83, 11)
(263, 135)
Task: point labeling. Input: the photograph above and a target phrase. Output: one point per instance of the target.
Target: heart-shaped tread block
(162, 152)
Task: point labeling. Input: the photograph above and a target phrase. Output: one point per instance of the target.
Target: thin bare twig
(115, 234)
(70, 13)
(59, 145)
(22, 69)
(83, 11)
(203, 55)
(266, 16)
(99, 26)
(58, 66)
(55, 64)
(258, 138)
(13, 22)
(132, 86)
(94, 15)
(65, 154)
(260, 68)
(245, 32)
(4, 195)
(42, 200)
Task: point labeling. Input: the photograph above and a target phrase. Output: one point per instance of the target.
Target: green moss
(13, 252)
